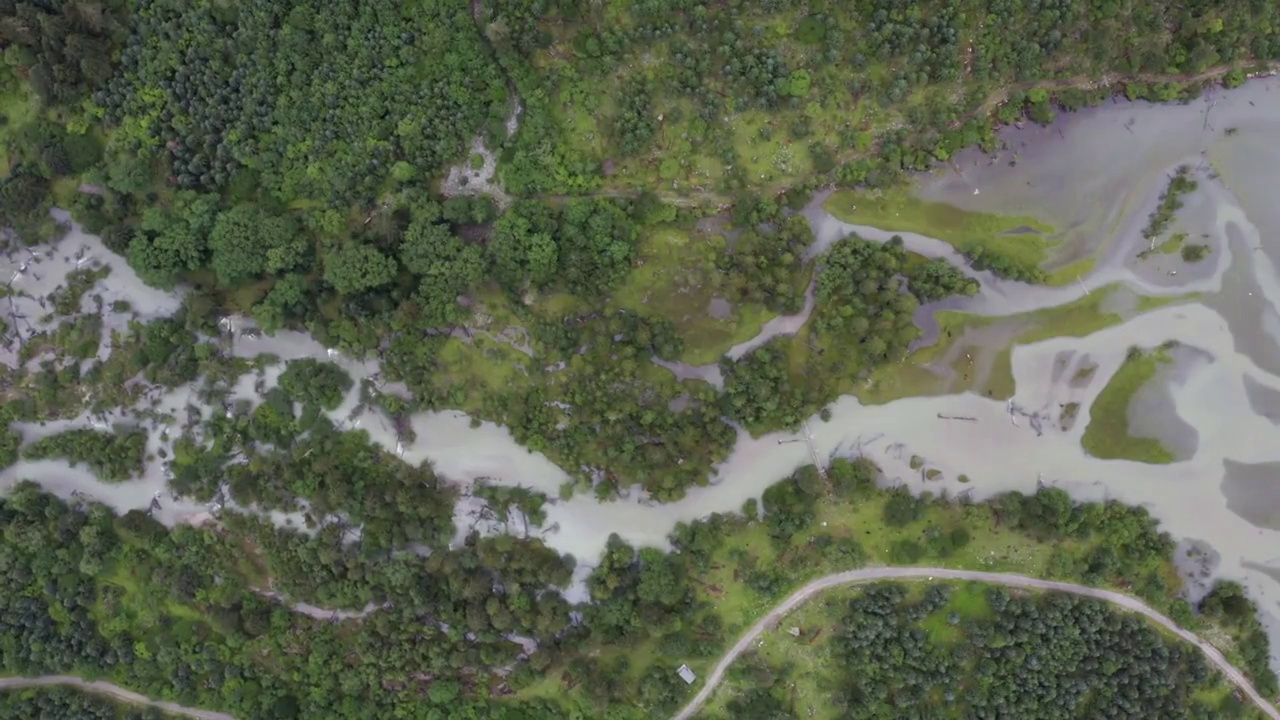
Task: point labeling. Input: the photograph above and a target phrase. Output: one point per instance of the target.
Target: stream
(1097, 174)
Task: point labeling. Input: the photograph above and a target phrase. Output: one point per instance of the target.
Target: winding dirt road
(98, 687)
(1020, 581)
(765, 623)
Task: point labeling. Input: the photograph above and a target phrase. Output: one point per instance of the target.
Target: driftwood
(957, 417)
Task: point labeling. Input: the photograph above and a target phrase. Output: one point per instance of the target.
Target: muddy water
(1097, 174)
(1253, 493)
(1152, 412)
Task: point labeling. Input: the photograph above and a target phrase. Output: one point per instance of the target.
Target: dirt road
(99, 687)
(768, 621)
(891, 573)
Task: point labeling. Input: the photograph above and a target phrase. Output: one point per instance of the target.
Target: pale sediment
(1099, 178)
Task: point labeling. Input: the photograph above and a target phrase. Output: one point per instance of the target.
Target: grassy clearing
(1073, 272)
(473, 371)
(1148, 303)
(1172, 245)
(1107, 434)
(483, 367)
(19, 107)
(676, 277)
(725, 586)
(123, 600)
(688, 154)
(990, 548)
(968, 602)
(1021, 239)
(806, 660)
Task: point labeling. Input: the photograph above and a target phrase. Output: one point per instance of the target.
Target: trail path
(765, 623)
(1126, 602)
(99, 687)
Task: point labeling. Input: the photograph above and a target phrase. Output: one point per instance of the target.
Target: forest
(283, 161)
(64, 704)
(112, 456)
(300, 191)
(185, 613)
(972, 651)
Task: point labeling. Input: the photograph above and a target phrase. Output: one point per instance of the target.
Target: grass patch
(1148, 303)
(1068, 416)
(802, 651)
(1020, 239)
(909, 379)
(1194, 252)
(472, 371)
(122, 598)
(1107, 434)
(991, 547)
(1073, 272)
(968, 602)
(749, 570)
(19, 107)
(1084, 374)
(974, 336)
(1170, 202)
(1172, 245)
(676, 278)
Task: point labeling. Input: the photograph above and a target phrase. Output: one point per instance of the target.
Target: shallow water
(1153, 414)
(1253, 493)
(1098, 174)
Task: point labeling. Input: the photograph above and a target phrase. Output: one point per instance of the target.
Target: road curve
(768, 621)
(99, 687)
(906, 573)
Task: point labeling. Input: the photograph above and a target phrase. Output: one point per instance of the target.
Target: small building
(686, 674)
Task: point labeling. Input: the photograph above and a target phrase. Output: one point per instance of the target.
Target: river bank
(1097, 174)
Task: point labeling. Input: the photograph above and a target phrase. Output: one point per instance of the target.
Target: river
(1097, 174)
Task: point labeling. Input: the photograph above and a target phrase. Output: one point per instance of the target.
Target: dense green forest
(281, 183)
(283, 160)
(967, 651)
(181, 613)
(64, 704)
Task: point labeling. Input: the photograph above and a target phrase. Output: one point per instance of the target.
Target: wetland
(1016, 386)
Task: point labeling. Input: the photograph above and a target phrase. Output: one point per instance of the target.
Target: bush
(311, 381)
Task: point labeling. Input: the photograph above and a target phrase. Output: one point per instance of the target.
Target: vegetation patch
(1067, 419)
(1172, 245)
(1014, 247)
(789, 378)
(1072, 272)
(1170, 202)
(911, 378)
(678, 276)
(275, 159)
(1082, 376)
(1194, 252)
(1107, 434)
(112, 456)
(310, 381)
(743, 566)
(62, 702)
(828, 658)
